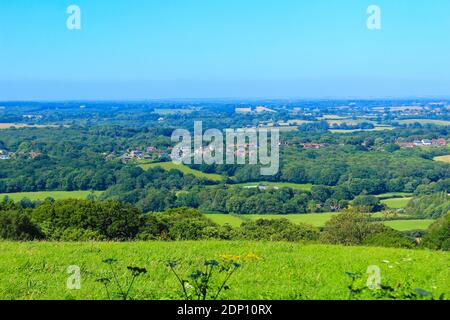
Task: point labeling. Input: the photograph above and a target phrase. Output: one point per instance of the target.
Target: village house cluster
(148, 153)
(6, 155)
(424, 143)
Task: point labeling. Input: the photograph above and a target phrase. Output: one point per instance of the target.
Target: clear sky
(150, 49)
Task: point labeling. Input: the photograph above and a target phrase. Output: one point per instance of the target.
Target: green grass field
(183, 168)
(376, 128)
(425, 121)
(283, 270)
(42, 195)
(315, 219)
(304, 187)
(407, 225)
(396, 203)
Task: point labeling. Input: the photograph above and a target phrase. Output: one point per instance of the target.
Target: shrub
(185, 224)
(17, 225)
(368, 204)
(438, 235)
(77, 234)
(350, 228)
(430, 206)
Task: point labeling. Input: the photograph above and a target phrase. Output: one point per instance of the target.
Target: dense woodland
(82, 150)
(350, 165)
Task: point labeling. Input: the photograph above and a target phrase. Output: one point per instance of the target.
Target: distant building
(137, 154)
(243, 110)
(261, 109)
(312, 145)
(406, 144)
(439, 142)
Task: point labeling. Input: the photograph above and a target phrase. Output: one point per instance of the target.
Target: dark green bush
(17, 225)
(438, 235)
(430, 206)
(389, 238)
(350, 228)
(185, 224)
(368, 203)
(111, 220)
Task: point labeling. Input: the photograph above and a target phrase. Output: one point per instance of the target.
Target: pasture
(42, 195)
(396, 203)
(183, 168)
(269, 270)
(315, 219)
(445, 159)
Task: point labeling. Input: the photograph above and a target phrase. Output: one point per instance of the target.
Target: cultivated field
(445, 159)
(268, 271)
(42, 195)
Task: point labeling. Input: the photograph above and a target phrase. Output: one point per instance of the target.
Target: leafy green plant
(123, 289)
(206, 283)
(358, 290)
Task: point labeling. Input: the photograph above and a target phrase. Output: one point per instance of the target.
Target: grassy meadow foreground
(270, 270)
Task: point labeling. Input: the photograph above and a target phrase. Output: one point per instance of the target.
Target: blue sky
(141, 49)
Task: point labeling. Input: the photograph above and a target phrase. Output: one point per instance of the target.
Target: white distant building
(243, 110)
(261, 109)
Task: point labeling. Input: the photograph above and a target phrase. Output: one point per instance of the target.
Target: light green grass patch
(407, 225)
(42, 195)
(315, 219)
(396, 203)
(183, 168)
